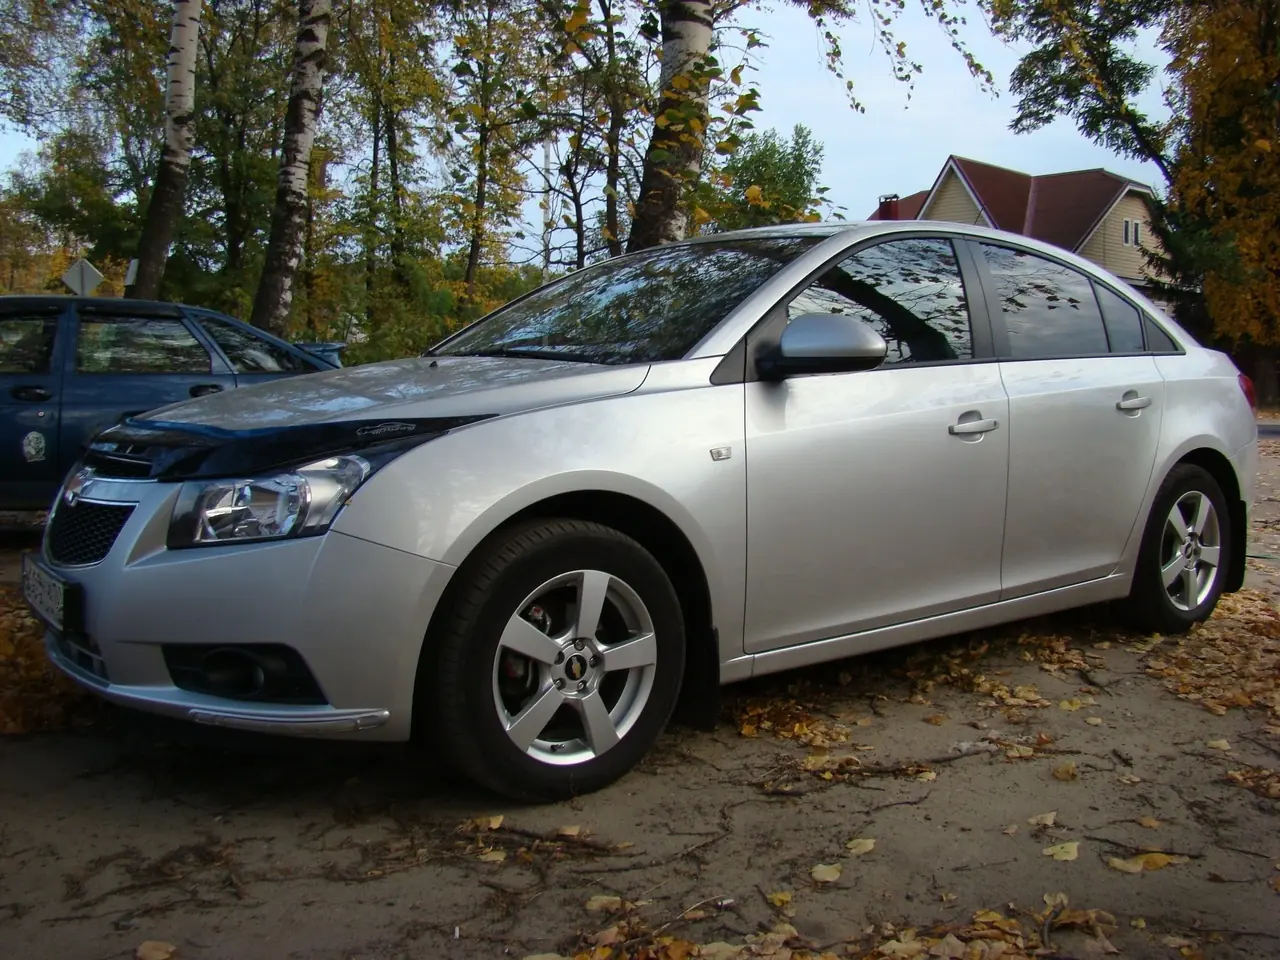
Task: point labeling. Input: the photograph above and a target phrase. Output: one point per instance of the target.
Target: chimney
(888, 207)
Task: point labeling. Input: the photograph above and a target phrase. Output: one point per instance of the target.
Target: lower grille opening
(253, 672)
(84, 532)
(84, 653)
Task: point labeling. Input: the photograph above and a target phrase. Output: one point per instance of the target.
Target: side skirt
(961, 621)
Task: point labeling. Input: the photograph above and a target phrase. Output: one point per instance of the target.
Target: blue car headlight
(299, 502)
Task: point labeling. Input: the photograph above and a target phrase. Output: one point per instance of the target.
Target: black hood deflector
(164, 450)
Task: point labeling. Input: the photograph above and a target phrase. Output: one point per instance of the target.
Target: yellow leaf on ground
(1144, 861)
(1010, 830)
(1218, 745)
(826, 873)
(937, 719)
(1065, 771)
(155, 950)
(928, 776)
(1093, 721)
(1064, 851)
(1129, 779)
(494, 856)
(602, 902)
(1071, 705)
(1018, 752)
(1151, 823)
(1138, 923)
(987, 916)
(1044, 819)
(859, 847)
(780, 898)
(568, 831)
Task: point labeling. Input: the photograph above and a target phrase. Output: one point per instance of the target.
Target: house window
(1126, 233)
(1137, 239)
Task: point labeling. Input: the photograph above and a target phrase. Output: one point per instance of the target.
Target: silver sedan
(658, 475)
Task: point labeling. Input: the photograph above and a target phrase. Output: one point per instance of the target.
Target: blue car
(70, 366)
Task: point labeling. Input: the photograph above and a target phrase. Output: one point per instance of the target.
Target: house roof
(908, 206)
(1059, 208)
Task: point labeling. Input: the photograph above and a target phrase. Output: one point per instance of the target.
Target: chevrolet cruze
(652, 477)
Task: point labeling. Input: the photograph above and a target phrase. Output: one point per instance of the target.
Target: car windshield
(635, 310)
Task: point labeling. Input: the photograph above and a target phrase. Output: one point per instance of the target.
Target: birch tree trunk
(168, 196)
(673, 158)
(288, 218)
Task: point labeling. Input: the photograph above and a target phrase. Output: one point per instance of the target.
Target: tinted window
(248, 353)
(1049, 309)
(653, 307)
(26, 344)
(1157, 340)
(138, 345)
(910, 291)
(1124, 322)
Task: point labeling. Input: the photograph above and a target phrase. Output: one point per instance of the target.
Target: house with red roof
(1095, 214)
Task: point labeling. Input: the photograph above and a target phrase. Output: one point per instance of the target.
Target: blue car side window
(138, 345)
(26, 344)
(249, 353)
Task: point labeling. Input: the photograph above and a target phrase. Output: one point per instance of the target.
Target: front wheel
(559, 663)
(1186, 547)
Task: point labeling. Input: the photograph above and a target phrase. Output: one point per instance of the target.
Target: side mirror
(824, 343)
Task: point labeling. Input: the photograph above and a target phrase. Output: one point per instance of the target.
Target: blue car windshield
(643, 309)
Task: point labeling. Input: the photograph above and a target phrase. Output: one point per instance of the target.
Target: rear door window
(1049, 309)
(124, 344)
(1123, 321)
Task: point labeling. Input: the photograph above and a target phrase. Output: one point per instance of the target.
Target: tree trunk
(168, 196)
(674, 157)
(613, 138)
(371, 228)
(481, 198)
(284, 249)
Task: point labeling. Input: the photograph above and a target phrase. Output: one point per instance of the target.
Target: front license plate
(44, 592)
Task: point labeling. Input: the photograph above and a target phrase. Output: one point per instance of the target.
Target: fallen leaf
(779, 899)
(568, 831)
(986, 916)
(487, 823)
(720, 951)
(607, 937)
(1100, 942)
(1044, 819)
(949, 947)
(1071, 705)
(1065, 771)
(1138, 923)
(602, 902)
(1144, 861)
(1055, 900)
(928, 776)
(1010, 830)
(937, 719)
(494, 856)
(902, 950)
(1129, 778)
(1019, 752)
(1063, 851)
(826, 873)
(1274, 883)
(859, 847)
(155, 950)
(1093, 721)
(1151, 823)
(1218, 745)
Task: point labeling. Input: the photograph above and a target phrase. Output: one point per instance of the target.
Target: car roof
(29, 301)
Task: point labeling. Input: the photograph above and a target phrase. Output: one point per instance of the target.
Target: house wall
(1107, 248)
(953, 203)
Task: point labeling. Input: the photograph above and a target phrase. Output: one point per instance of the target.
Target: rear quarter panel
(443, 498)
(1204, 409)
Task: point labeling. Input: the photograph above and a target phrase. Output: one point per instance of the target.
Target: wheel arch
(655, 531)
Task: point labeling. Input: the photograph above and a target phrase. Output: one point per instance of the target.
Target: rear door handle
(34, 394)
(1134, 403)
(972, 426)
(203, 389)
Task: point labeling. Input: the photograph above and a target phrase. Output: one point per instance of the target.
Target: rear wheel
(1185, 550)
(560, 662)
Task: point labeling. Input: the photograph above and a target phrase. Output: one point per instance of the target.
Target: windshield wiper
(532, 353)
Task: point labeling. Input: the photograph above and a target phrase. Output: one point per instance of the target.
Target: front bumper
(355, 611)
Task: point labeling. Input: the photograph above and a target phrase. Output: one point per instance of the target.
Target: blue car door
(254, 356)
(128, 360)
(30, 392)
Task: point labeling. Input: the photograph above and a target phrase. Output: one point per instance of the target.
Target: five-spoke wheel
(558, 660)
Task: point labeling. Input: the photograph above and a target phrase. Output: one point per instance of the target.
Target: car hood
(418, 387)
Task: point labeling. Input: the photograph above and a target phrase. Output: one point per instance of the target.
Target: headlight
(296, 503)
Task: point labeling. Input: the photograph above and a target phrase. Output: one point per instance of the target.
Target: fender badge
(386, 429)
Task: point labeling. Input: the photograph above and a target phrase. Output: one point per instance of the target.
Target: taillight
(1246, 386)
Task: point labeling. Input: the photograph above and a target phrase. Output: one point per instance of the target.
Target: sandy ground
(996, 773)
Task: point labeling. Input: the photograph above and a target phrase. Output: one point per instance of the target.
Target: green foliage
(766, 180)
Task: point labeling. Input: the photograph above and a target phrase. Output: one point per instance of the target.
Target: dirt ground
(1050, 789)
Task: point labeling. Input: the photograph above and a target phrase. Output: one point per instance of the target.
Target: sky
(897, 146)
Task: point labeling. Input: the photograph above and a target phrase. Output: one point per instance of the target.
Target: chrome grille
(83, 532)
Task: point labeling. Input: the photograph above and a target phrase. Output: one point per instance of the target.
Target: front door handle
(1133, 403)
(972, 426)
(34, 394)
(204, 389)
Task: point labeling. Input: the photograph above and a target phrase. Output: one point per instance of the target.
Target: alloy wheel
(1190, 550)
(574, 667)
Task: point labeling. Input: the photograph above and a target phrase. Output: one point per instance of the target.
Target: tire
(1154, 607)
(494, 661)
